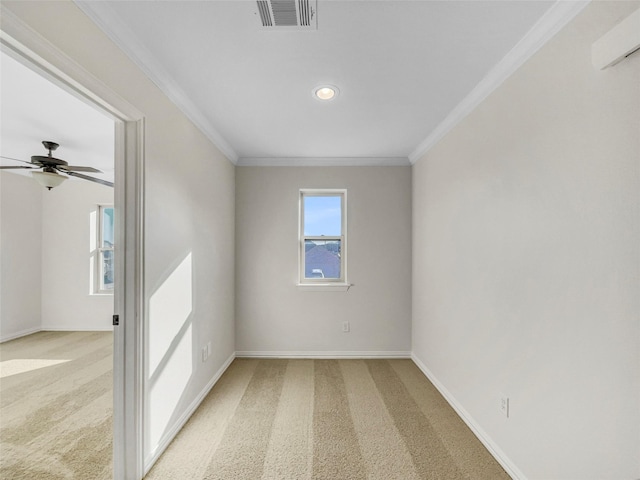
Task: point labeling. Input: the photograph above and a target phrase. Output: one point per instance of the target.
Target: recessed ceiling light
(325, 92)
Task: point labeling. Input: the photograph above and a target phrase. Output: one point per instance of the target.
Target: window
(104, 257)
(323, 240)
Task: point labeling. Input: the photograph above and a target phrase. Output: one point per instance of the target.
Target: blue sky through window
(107, 226)
(322, 215)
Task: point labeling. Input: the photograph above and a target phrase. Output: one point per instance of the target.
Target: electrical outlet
(504, 405)
(209, 350)
(345, 327)
(204, 354)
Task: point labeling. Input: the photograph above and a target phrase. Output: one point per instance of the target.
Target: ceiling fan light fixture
(325, 92)
(48, 180)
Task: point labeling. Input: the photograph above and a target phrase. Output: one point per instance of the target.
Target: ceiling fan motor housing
(40, 160)
(50, 145)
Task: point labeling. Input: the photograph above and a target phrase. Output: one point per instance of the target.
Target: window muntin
(105, 250)
(323, 236)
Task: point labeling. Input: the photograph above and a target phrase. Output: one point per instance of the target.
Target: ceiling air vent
(288, 14)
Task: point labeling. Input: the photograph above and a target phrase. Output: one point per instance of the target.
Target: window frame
(302, 238)
(100, 250)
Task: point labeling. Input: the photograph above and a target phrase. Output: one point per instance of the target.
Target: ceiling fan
(52, 167)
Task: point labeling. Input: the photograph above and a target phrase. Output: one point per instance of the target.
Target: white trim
(108, 21)
(324, 287)
(558, 15)
(322, 192)
(486, 440)
(21, 333)
(169, 435)
(618, 43)
(98, 252)
(45, 328)
(129, 302)
(321, 355)
(323, 162)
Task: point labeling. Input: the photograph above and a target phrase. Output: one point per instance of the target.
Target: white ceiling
(402, 68)
(34, 109)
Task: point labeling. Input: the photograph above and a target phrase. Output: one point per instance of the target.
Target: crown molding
(618, 43)
(558, 15)
(323, 162)
(109, 22)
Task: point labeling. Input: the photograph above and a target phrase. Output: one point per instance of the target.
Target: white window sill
(325, 287)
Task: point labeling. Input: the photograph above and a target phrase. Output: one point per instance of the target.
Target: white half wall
(526, 260)
(20, 255)
(273, 315)
(69, 216)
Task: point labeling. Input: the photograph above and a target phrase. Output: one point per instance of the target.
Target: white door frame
(30, 48)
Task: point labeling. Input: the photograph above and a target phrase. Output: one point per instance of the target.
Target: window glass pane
(322, 215)
(322, 259)
(107, 227)
(106, 270)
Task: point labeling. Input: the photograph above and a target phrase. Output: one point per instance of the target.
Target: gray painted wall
(272, 314)
(46, 257)
(67, 221)
(21, 255)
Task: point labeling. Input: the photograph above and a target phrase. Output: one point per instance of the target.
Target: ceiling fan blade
(16, 160)
(20, 166)
(91, 179)
(70, 168)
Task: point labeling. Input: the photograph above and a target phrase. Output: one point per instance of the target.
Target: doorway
(32, 50)
(57, 299)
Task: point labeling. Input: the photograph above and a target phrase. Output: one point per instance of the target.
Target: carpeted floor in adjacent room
(56, 404)
(325, 419)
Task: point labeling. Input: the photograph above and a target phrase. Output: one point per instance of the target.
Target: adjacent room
(56, 288)
(360, 239)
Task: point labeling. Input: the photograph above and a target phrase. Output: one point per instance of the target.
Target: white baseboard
(318, 355)
(173, 431)
(21, 333)
(486, 440)
(72, 329)
(29, 331)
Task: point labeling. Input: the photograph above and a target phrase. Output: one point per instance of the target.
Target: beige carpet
(56, 406)
(265, 419)
(325, 419)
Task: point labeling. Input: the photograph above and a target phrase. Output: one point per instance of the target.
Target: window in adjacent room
(323, 240)
(104, 257)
